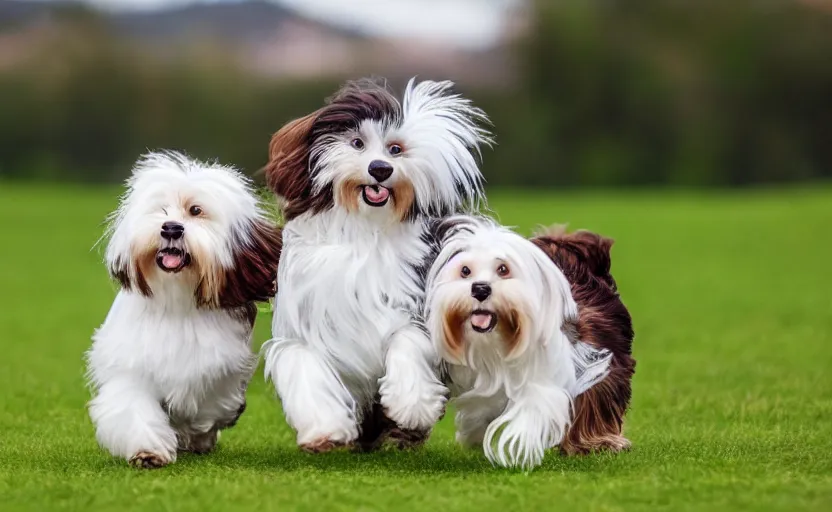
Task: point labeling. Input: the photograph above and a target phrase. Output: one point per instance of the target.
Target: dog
(361, 182)
(192, 250)
(503, 318)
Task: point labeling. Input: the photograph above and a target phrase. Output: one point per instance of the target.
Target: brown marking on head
(349, 193)
(253, 275)
(404, 198)
(510, 325)
(453, 327)
(133, 275)
(287, 173)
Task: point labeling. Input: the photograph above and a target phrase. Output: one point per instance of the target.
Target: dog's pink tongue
(376, 194)
(171, 260)
(481, 320)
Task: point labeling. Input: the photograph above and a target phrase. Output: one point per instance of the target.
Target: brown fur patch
(510, 327)
(404, 197)
(453, 325)
(287, 173)
(251, 278)
(349, 193)
(144, 261)
(604, 322)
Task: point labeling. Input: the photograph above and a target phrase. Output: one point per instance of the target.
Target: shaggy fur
(169, 367)
(360, 182)
(500, 314)
(603, 322)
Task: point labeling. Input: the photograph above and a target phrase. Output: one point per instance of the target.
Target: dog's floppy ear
(253, 277)
(287, 173)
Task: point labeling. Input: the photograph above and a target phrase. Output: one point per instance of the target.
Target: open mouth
(483, 321)
(172, 259)
(375, 195)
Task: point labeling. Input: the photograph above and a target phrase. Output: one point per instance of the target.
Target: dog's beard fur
(229, 250)
(508, 339)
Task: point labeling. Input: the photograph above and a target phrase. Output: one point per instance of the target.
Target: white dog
(170, 365)
(499, 312)
(361, 181)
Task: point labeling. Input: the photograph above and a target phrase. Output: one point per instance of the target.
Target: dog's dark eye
(195, 210)
(465, 272)
(503, 271)
(395, 149)
(357, 143)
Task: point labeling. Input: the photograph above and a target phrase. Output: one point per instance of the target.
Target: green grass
(732, 301)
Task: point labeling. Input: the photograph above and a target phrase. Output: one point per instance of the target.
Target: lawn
(731, 295)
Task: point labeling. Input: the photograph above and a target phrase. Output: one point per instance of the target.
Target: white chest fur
(345, 286)
(176, 349)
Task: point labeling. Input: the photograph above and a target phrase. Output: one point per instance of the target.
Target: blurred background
(582, 93)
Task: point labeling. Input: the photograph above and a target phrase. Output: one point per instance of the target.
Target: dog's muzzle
(173, 257)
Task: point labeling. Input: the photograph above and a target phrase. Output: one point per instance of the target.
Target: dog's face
(186, 224)
(368, 154)
(491, 289)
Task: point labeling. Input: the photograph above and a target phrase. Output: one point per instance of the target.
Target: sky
(468, 23)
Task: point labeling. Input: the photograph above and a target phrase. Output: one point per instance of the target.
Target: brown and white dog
(362, 181)
(192, 250)
(523, 338)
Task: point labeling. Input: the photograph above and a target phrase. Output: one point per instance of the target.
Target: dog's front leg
(410, 391)
(315, 401)
(130, 423)
(534, 421)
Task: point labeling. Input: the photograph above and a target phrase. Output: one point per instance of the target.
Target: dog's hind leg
(598, 421)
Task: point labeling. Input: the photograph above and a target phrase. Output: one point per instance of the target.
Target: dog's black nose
(380, 170)
(172, 230)
(480, 291)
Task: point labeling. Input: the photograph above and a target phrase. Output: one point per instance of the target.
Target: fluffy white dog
(500, 313)
(362, 181)
(169, 367)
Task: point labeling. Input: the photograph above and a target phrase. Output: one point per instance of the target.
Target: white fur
(163, 369)
(516, 405)
(347, 323)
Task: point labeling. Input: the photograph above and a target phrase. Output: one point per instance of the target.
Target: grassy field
(732, 300)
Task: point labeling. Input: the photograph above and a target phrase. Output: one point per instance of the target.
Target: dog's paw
(405, 439)
(417, 410)
(201, 443)
(149, 460)
(509, 444)
(322, 445)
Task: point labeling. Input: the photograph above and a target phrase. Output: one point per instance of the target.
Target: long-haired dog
(192, 250)
(361, 181)
(503, 317)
